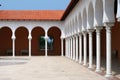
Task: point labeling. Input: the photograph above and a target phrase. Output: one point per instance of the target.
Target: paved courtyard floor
(44, 68)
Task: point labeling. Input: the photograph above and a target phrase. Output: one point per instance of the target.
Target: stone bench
(115, 53)
(9, 52)
(24, 52)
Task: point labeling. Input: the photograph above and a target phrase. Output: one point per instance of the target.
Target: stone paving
(44, 68)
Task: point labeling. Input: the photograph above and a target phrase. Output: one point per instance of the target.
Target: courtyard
(45, 68)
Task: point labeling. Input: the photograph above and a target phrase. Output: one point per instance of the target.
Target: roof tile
(31, 14)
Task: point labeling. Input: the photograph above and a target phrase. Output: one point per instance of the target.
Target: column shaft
(46, 47)
(85, 48)
(108, 50)
(29, 47)
(71, 48)
(98, 58)
(90, 49)
(76, 48)
(80, 51)
(13, 47)
(66, 47)
(62, 47)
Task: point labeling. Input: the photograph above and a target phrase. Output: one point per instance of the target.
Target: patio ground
(44, 68)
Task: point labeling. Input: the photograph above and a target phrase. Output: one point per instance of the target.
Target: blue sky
(33, 4)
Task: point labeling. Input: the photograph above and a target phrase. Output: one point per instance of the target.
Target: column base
(62, 55)
(118, 19)
(84, 64)
(13, 55)
(90, 67)
(29, 56)
(73, 59)
(76, 60)
(109, 76)
(98, 71)
(80, 62)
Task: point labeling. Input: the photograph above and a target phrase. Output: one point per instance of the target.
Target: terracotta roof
(31, 14)
(37, 14)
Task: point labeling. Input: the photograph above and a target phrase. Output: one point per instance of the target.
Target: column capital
(91, 30)
(73, 36)
(108, 28)
(99, 27)
(29, 37)
(46, 37)
(84, 32)
(109, 24)
(76, 35)
(118, 19)
(13, 37)
(62, 37)
(80, 34)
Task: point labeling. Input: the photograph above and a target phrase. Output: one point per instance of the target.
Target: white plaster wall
(76, 20)
(13, 25)
(90, 14)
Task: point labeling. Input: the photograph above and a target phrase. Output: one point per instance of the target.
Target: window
(49, 43)
(41, 42)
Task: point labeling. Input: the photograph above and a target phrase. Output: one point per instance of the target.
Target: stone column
(85, 48)
(76, 59)
(71, 42)
(30, 47)
(69, 47)
(80, 47)
(66, 47)
(13, 45)
(73, 48)
(98, 49)
(62, 47)
(90, 31)
(46, 53)
(108, 49)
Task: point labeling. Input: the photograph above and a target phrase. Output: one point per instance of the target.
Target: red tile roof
(31, 14)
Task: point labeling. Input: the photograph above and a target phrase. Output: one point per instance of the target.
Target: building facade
(87, 28)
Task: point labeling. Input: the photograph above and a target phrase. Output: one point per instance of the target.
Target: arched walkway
(55, 33)
(115, 36)
(5, 41)
(37, 32)
(21, 42)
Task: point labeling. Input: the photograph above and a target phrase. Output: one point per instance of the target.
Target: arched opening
(80, 22)
(84, 20)
(5, 41)
(98, 13)
(90, 15)
(84, 28)
(37, 33)
(90, 25)
(55, 33)
(115, 37)
(21, 42)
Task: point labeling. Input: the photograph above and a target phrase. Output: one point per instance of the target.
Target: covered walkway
(44, 68)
